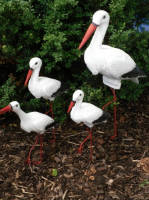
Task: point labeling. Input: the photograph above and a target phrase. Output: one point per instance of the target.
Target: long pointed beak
(28, 76)
(5, 109)
(88, 33)
(70, 106)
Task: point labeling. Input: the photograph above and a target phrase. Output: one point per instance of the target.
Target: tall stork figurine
(113, 63)
(44, 87)
(31, 122)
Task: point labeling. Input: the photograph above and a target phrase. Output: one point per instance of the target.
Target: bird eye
(104, 17)
(16, 105)
(80, 94)
(36, 63)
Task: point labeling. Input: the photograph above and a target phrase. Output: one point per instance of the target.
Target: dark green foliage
(53, 30)
(7, 92)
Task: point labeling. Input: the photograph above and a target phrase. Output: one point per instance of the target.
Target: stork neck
(78, 105)
(21, 114)
(99, 35)
(35, 75)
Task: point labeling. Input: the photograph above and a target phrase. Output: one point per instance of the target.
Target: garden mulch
(119, 168)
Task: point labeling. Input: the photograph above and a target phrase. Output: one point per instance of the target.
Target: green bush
(53, 30)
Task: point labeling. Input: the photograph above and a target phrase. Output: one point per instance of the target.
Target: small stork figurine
(87, 113)
(45, 87)
(31, 122)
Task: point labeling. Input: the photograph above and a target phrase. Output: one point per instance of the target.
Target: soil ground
(119, 168)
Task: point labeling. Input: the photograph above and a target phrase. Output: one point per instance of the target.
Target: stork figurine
(113, 63)
(87, 113)
(45, 87)
(31, 122)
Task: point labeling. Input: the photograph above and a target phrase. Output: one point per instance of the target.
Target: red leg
(51, 110)
(91, 144)
(53, 135)
(41, 144)
(28, 161)
(89, 136)
(115, 125)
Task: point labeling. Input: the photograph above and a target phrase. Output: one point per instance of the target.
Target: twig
(47, 180)
(101, 132)
(73, 143)
(144, 153)
(27, 192)
(75, 196)
(128, 139)
(63, 197)
(120, 192)
(74, 134)
(136, 160)
(20, 197)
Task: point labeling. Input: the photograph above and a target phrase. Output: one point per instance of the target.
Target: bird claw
(79, 151)
(28, 161)
(52, 140)
(113, 137)
(37, 162)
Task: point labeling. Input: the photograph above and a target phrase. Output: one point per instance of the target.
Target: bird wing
(109, 61)
(51, 86)
(90, 112)
(40, 121)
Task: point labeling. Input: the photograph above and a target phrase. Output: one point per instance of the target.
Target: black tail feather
(64, 87)
(135, 73)
(51, 125)
(103, 117)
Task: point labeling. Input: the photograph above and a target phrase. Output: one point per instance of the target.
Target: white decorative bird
(87, 113)
(31, 122)
(113, 63)
(45, 87)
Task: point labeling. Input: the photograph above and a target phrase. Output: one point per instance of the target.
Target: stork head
(100, 17)
(34, 64)
(77, 95)
(13, 106)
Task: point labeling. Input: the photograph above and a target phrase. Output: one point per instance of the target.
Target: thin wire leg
(91, 151)
(115, 125)
(28, 160)
(81, 145)
(114, 99)
(41, 145)
(51, 110)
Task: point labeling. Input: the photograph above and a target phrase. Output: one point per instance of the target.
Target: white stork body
(34, 121)
(45, 87)
(42, 86)
(86, 112)
(30, 122)
(114, 64)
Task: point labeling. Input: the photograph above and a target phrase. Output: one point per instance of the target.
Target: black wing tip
(63, 88)
(135, 73)
(51, 125)
(105, 115)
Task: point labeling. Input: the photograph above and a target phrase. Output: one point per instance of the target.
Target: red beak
(6, 109)
(71, 105)
(87, 35)
(28, 76)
